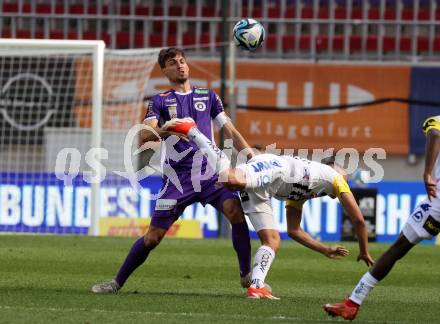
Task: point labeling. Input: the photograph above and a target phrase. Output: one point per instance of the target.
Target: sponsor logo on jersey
(172, 110)
(432, 226)
(200, 106)
(170, 100)
(201, 91)
(165, 204)
(264, 165)
(200, 98)
(418, 216)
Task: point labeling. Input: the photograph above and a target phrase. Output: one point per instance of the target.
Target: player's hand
(366, 258)
(430, 186)
(336, 251)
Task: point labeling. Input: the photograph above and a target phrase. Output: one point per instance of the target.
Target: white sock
(363, 288)
(262, 261)
(216, 158)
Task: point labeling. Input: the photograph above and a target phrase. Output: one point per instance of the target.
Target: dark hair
(329, 160)
(167, 53)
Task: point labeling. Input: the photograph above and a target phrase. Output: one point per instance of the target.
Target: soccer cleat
(246, 281)
(260, 293)
(346, 309)
(109, 287)
(182, 125)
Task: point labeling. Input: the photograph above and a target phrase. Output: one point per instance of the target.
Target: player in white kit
(423, 223)
(286, 178)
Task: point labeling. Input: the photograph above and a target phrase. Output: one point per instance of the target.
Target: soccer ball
(249, 34)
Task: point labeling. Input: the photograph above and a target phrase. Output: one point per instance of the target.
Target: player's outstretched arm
(294, 215)
(351, 207)
(432, 151)
(240, 144)
(151, 135)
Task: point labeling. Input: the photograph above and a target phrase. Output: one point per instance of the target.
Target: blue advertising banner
(425, 85)
(42, 204)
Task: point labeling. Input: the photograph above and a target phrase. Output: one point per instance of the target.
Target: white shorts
(258, 209)
(424, 222)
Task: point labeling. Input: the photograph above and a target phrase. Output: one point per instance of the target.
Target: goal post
(59, 100)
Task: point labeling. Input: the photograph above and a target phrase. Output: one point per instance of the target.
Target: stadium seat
(356, 13)
(273, 12)
(155, 40)
(189, 39)
(172, 27)
(175, 11)
(288, 42)
(124, 10)
(271, 42)
(10, 6)
(321, 42)
(43, 8)
(323, 13)
(338, 42)
(436, 46)
(290, 12)
(204, 38)
(405, 44)
(139, 41)
(76, 9)
(191, 11)
(340, 13)
(304, 42)
(355, 43)
(373, 13)
(123, 39)
(307, 13)
(372, 43)
(208, 11)
(390, 14)
(93, 10)
(142, 10)
(6, 33)
(422, 44)
(172, 40)
(257, 12)
(56, 34)
(389, 44)
(23, 33)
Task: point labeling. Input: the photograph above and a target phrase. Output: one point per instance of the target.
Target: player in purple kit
(179, 191)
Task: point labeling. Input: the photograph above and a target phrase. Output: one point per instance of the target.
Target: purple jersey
(201, 104)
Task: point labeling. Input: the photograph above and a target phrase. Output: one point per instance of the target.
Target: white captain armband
(221, 119)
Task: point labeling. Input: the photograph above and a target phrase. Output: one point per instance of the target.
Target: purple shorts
(171, 204)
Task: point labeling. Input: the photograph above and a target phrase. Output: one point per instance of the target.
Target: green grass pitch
(48, 278)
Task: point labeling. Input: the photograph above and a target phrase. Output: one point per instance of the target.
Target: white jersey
(286, 178)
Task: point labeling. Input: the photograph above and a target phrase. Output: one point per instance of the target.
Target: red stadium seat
(436, 46)
(338, 42)
(23, 33)
(307, 12)
(155, 40)
(271, 42)
(407, 14)
(323, 13)
(6, 33)
(123, 39)
(191, 11)
(72, 35)
(288, 42)
(355, 43)
(389, 44)
(43, 8)
(372, 43)
(290, 12)
(10, 7)
(422, 44)
(390, 14)
(257, 12)
(356, 13)
(139, 40)
(56, 34)
(424, 14)
(142, 11)
(373, 13)
(273, 12)
(172, 27)
(305, 42)
(189, 39)
(208, 11)
(204, 38)
(175, 11)
(321, 42)
(39, 34)
(405, 44)
(77, 9)
(124, 10)
(93, 10)
(340, 13)
(172, 40)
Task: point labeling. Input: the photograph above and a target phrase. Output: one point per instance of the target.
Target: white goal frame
(96, 47)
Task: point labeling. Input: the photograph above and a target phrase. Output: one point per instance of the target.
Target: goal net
(65, 110)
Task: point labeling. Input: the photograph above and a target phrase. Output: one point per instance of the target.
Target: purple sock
(242, 245)
(137, 255)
